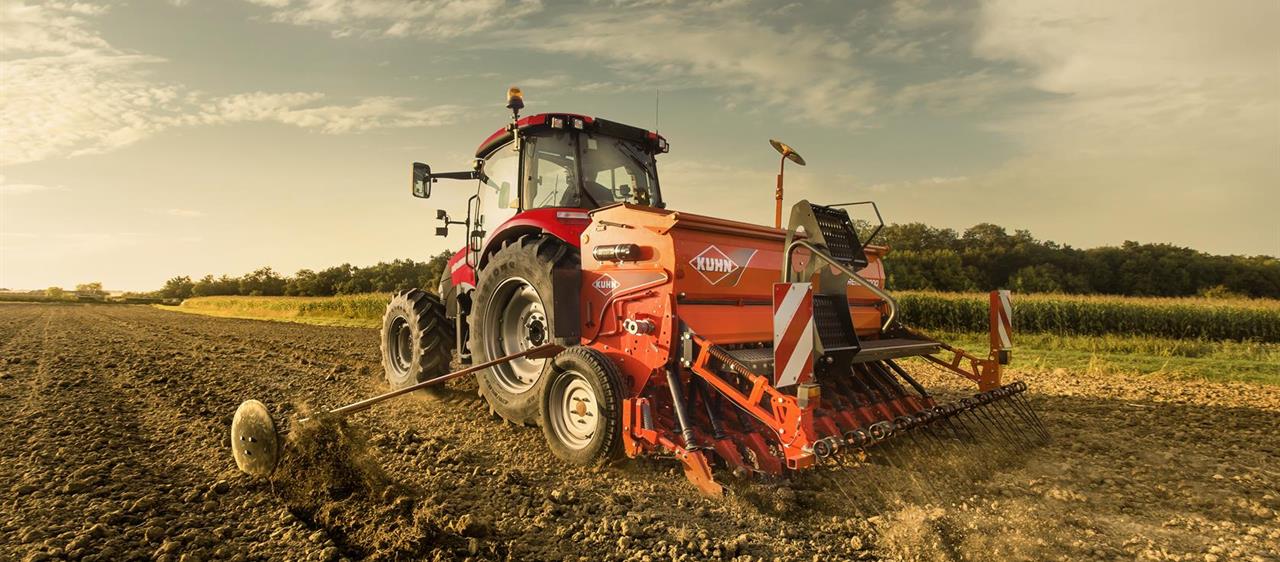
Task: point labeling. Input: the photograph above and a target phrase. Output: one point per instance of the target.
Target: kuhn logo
(714, 265)
(606, 284)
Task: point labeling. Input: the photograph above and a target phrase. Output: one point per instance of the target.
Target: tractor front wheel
(513, 311)
(417, 339)
(581, 407)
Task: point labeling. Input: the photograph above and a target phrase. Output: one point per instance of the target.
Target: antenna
(657, 97)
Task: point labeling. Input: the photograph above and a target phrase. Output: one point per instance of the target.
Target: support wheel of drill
(514, 311)
(417, 340)
(581, 407)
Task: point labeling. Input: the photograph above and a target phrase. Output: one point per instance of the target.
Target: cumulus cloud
(67, 92)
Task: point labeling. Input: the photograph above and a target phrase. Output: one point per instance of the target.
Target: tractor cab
(560, 161)
(570, 161)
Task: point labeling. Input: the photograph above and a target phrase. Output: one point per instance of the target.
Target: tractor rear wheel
(581, 407)
(514, 311)
(417, 339)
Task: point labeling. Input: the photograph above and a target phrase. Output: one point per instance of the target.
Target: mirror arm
(467, 175)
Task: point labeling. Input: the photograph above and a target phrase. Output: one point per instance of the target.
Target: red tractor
(720, 342)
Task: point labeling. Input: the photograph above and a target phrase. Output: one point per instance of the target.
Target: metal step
(892, 348)
(760, 359)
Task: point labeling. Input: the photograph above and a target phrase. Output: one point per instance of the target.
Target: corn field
(1066, 315)
(1181, 318)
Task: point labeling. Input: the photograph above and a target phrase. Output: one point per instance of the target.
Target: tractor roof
(567, 120)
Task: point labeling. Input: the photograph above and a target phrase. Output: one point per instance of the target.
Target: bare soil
(117, 433)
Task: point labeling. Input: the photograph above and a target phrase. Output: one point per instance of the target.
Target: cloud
(962, 94)
(751, 60)
(303, 110)
(809, 70)
(1177, 75)
(7, 188)
(401, 18)
(1148, 120)
(68, 92)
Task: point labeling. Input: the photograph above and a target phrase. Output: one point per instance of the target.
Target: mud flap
(568, 321)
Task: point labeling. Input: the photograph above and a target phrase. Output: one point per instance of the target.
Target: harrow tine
(908, 426)
(1021, 388)
(918, 481)
(980, 436)
(1015, 406)
(953, 413)
(1011, 392)
(927, 422)
(860, 441)
(924, 421)
(986, 408)
(968, 405)
(953, 450)
(1006, 410)
(944, 415)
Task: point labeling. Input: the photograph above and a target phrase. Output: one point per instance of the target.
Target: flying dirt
(120, 421)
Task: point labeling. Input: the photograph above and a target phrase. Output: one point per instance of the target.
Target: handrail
(786, 277)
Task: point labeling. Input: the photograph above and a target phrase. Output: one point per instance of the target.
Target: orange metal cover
(719, 273)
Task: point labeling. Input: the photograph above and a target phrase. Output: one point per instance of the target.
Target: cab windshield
(565, 168)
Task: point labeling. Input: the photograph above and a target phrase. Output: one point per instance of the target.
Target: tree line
(344, 279)
(982, 258)
(986, 257)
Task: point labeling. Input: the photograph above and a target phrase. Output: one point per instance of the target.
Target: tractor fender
(567, 224)
(564, 223)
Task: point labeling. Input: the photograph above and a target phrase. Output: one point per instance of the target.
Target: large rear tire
(514, 311)
(581, 407)
(417, 340)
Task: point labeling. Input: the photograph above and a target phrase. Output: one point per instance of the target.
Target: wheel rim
(516, 321)
(575, 415)
(401, 336)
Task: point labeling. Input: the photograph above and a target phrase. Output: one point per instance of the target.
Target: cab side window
(499, 189)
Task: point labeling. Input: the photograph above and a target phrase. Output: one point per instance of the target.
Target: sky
(140, 140)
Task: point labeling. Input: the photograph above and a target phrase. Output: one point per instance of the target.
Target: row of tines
(1001, 414)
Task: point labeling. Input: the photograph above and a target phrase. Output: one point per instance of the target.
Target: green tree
(93, 289)
(178, 288)
(55, 293)
(262, 282)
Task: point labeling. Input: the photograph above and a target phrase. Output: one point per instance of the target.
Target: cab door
(498, 196)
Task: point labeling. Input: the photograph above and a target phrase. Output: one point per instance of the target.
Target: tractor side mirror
(421, 180)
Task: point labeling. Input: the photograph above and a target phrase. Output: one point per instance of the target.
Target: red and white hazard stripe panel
(1001, 320)
(792, 333)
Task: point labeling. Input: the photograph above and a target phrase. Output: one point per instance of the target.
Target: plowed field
(116, 431)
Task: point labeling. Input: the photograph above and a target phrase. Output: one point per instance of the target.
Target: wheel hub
(576, 416)
(516, 321)
(535, 329)
(401, 344)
